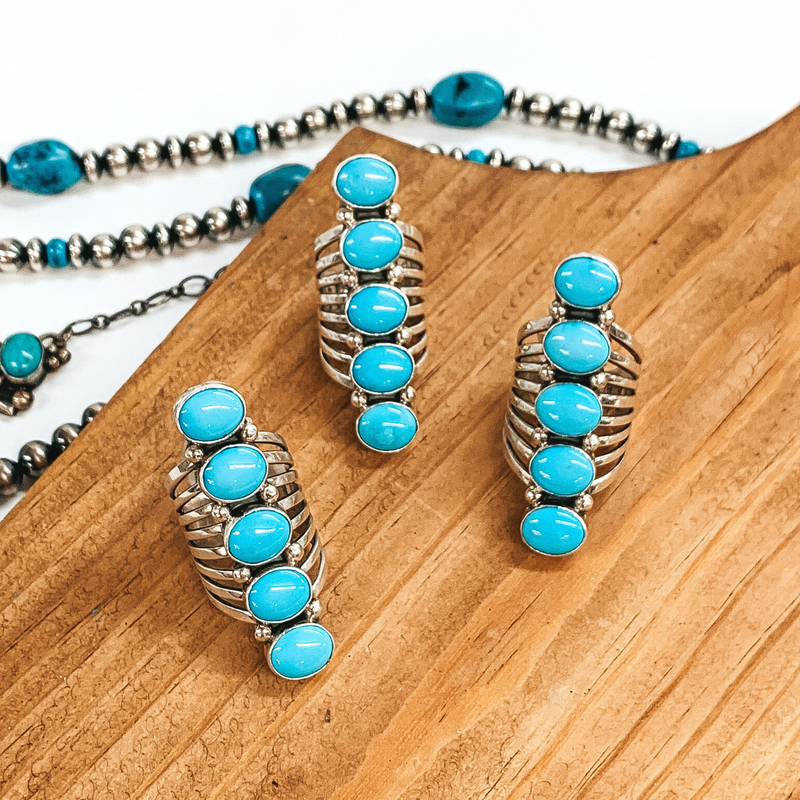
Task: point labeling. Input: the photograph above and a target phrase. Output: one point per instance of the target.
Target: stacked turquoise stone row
(572, 404)
(249, 528)
(372, 323)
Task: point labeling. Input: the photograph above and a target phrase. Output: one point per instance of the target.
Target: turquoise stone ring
(365, 182)
(210, 413)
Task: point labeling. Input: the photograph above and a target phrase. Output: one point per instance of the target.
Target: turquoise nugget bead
(21, 355)
(301, 651)
(45, 167)
(467, 100)
(372, 245)
(377, 309)
(562, 470)
(365, 181)
(259, 535)
(577, 347)
(687, 149)
(586, 282)
(278, 594)
(57, 253)
(233, 473)
(387, 427)
(245, 140)
(382, 368)
(568, 409)
(269, 190)
(553, 530)
(478, 156)
(211, 414)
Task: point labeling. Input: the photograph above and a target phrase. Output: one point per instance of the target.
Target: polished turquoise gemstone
(45, 167)
(21, 356)
(562, 470)
(269, 190)
(586, 282)
(261, 534)
(278, 594)
(577, 347)
(383, 368)
(687, 149)
(372, 245)
(568, 409)
(376, 309)
(233, 473)
(57, 253)
(301, 651)
(365, 181)
(478, 156)
(387, 427)
(467, 100)
(245, 140)
(553, 530)
(210, 414)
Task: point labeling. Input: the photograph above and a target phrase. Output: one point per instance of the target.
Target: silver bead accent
(394, 106)
(9, 477)
(241, 213)
(262, 135)
(418, 101)
(458, 154)
(91, 412)
(551, 165)
(77, 250)
(287, 131)
(174, 150)
(92, 166)
(36, 255)
(594, 120)
(339, 115)
(11, 255)
(217, 221)
(645, 136)
(365, 107)
(200, 148)
(148, 154)
(539, 108)
(669, 144)
(619, 123)
(34, 459)
(187, 231)
(135, 242)
(521, 162)
(569, 113)
(515, 102)
(223, 144)
(316, 120)
(64, 435)
(709, 148)
(105, 250)
(117, 160)
(495, 158)
(433, 148)
(162, 238)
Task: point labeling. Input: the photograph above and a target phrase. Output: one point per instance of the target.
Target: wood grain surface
(658, 662)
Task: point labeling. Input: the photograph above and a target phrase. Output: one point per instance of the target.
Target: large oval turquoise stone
(372, 245)
(577, 347)
(586, 282)
(365, 181)
(45, 167)
(210, 414)
(387, 427)
(382, 368)
(568, 409)
(268, 191)
(377, 309)
(553, 530)
(259, 535)
(21, 355)
(301, 651)
(467, 100)
(234, 473)
(562, 470)
(278, 594)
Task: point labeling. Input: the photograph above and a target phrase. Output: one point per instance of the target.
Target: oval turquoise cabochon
(387, 427)
(259, 535)
(562, 470)
(21, 355)
(233, 473)
(586, 281)
(553, 530)
(371, 245)
(382, 368)
(568, 409)
(301, 651)
(377, 309)
(210, 414)
(577, 347)
(278, 594)
(365, 181)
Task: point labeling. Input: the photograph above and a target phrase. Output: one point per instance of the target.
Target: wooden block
(660, 661)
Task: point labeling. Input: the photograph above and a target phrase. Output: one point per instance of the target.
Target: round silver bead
(669, 144)
(10, 476)
(174, 151)
(515, 102)
(34, 459)
(394, 106)
(162, 238)
(365, 107)
(11, 255)
(135, 242)
(594, 119)
(339, 115)
(149, 154)
(495, 158)
(569, 113)
(287, 131)
(105, 250)
(551, 165)
(187, 230)
(64, 435)
(262, 135)
(645, 136)
(223, 144)
(91, 412)
(539, 107)
(458, 154)
(619, 124)
(315, 120)
(418, 101)
(92, 166)
(217, 222)
(433, 148)
(521, 162)
(241, 213)
(117, 160)
(36, 255)
(200, 148)
(77, 250)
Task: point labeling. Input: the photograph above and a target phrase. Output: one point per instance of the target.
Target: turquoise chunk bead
(259, 535)
(57, 253)
(382, 368)
(586, 282)
(278, 594)
(211, 414)
(233, 473)
(377, 309)
(478, 156)
(372, 245)
(301, 651)
(577, 347)
(568, 409)
(45, 167)
(245, 140)
(467, 100)
(562, 470)
(365, 181)
(553, 530)
(268, 191)
(687, 149)
(387, 427)
(21, 356)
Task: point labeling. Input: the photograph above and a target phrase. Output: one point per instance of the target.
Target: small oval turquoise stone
(387, 427)
(45, 167)
(568, 409)
(57, 253)
(259, 535)
(301, 651)
(278, 594)
(377, 309)
(234, 473)
(365, 181)
(383, 368)
(553, 530)
(478, 156)
(687, 149)
(467, 100)
(586, 282)
(562, 470)
(577, 347)
(21, 355)
(269, 190)
(372, 245)
(245, 140)
(210, 414)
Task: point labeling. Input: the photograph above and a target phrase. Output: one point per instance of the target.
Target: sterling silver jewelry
(572, 404)
(249, 528)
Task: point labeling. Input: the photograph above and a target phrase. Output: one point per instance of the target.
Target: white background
(93, 73)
